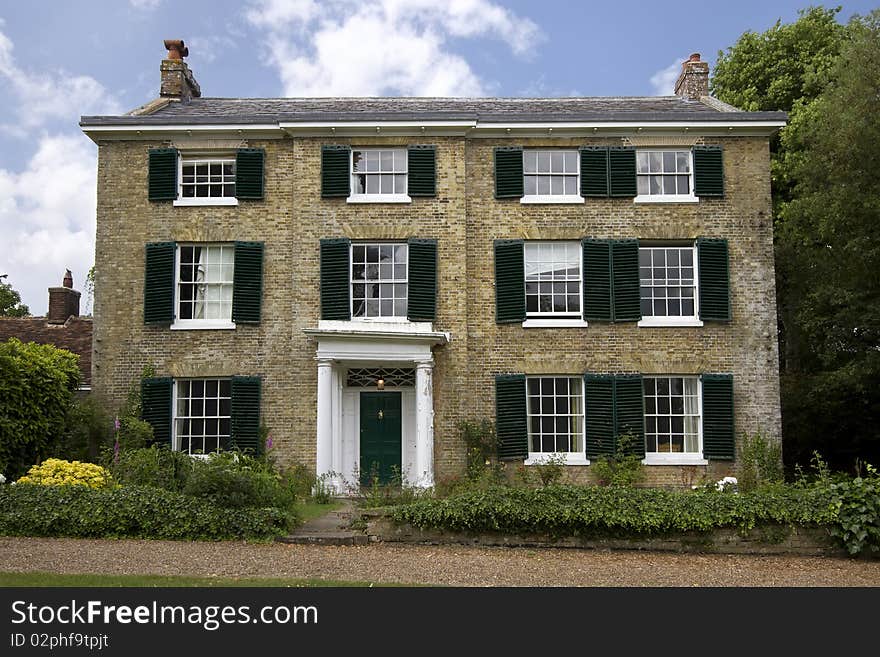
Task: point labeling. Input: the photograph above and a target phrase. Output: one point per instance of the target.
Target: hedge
(614, 511)
(130, 512)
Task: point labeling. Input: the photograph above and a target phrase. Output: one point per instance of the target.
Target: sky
(60, 60)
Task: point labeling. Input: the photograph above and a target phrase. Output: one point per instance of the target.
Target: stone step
(326, 538)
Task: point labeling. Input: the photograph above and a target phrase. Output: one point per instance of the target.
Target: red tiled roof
(74, 335)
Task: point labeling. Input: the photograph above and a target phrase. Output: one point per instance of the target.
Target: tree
(10, 301)
(37, 383)
(828, 235)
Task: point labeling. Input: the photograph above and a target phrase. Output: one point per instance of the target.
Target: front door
(380, 437)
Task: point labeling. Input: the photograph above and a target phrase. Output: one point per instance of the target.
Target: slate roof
(271, 110)
(74, 335)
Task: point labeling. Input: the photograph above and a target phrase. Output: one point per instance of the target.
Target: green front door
(380, 437)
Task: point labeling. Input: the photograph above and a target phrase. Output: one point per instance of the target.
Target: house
(62, 327)
(359, 275)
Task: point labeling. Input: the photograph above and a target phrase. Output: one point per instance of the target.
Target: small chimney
(177, 80)
(693, 83)
(63, 301)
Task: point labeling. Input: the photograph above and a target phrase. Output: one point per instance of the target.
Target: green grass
(37, 579)
(309, 510)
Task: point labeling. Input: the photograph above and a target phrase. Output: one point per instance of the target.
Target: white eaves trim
(471, 128)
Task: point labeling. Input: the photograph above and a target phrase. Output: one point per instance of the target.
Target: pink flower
(116, 423)
(269, 443)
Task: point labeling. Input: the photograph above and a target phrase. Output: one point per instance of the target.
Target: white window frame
(202, 200)
(661, 321)
(352, 282)
(678, 458)
(377, 198)
(538, 319)
(571, 458)
(198, 324)
(553, 198)
(175, 439)
(668, 198)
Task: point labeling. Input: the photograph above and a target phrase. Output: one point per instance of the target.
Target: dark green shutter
(629, 411)
(246, 413)
(159, 283)
(508, 172)
(249, 173)
(510, 286)
(247, 285)
(156, 407)
(708, 171)
(421, 304)
(625, 280)
(714, 279)
(597, 280)
(162, 178)
(421, 171)
(622, 171)
(594, 171)
(511, 421)
(599, 414)
(335, 171)
(335, 278)
(718, 433)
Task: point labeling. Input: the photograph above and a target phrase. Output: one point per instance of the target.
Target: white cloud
(208, 48)
(47, 217)
(42, 97)
(145, 4)
(663, 81)
(383, 47)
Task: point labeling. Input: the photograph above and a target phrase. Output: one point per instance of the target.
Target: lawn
(309, 510)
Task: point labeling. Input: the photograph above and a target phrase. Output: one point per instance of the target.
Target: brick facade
(465, 218)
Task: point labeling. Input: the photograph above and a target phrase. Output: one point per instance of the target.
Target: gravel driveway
(440, 565)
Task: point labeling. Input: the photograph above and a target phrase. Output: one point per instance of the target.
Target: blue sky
(59, 60)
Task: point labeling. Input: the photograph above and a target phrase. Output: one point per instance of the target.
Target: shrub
(36, 388)
(86, 431)
(613, 511)
(623, 468)
(481, 446)
(300, 480)
(57, 472)
(856, 503)
(156, 466)
(236, 480)
(130, 512)
(761, 462)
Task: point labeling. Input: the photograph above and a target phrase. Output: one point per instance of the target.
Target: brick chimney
(694, 79)
(63, 301)
(177, 80)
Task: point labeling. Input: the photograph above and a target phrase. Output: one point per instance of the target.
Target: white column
(324, 458)
(425, 423)
(336, 429)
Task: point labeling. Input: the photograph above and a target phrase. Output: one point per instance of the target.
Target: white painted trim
(571, 458)
(201, 324)
(666, 198)
(370, 324)
(560, 198)
(183, 127)
(307, 125)
(674, 459)
(554, 323)
(378, 198)
(669, 322)
(568, 125)
(205, 200)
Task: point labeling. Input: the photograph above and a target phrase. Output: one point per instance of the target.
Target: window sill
(552, 199)
(653, 322)
(197, 325)
(540, 458)
(379, 198)
(674, 459)
(186, 202)
(554, 323)
(666, 199)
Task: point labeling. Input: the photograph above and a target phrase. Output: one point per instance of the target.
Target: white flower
(725, 483)
(2, 479)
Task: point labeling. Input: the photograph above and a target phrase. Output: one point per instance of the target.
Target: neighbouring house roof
(74, 335)
(201, 111)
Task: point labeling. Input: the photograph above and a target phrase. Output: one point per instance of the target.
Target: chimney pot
(177, 80)
(693, 82)
(68, 279)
